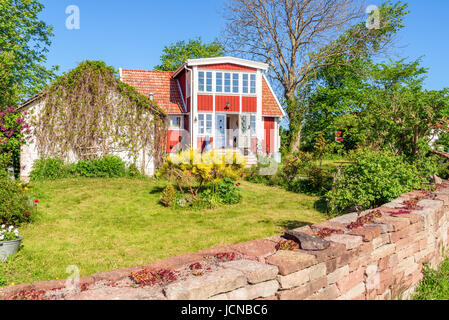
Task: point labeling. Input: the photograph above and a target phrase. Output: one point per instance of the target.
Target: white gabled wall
(194, 108)
(259, 118)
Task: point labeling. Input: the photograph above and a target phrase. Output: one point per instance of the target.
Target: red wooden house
(226, 101)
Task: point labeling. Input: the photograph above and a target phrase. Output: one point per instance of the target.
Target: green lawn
(105, 224)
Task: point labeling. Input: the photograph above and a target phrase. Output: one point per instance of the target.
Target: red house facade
(221, 103)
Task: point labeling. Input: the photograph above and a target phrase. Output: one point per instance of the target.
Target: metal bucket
(9, 248)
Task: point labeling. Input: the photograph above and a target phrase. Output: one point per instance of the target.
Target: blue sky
(131, 34)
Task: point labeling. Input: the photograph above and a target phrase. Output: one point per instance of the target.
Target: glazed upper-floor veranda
(216, 103)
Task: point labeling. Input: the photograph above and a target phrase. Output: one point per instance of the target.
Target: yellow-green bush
(192, 171)
(208, 167)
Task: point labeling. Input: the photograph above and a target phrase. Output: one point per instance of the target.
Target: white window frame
(202, 124)
(251, 84)
(174, 127)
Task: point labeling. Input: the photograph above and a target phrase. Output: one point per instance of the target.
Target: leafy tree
(176, 54)
(396, 113)
(24, 42)
(298, 37)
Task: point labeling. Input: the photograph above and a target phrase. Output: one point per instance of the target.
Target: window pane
(235, 82)
(201, 124)
(245, 83)
(175, 122)
(219, 82)
(227, 82)
(201, 81)
(209, 81)
(253, 83)
(253, 125)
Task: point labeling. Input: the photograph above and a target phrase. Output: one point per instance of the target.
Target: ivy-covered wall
(88, 113)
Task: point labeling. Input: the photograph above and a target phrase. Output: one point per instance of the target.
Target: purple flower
(20, 120)
(11, 109)
(9, 135)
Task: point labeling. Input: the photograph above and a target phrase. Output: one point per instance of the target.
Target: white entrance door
(220, 131)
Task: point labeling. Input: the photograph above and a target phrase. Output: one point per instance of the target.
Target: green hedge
(106, 167)
(374, 178)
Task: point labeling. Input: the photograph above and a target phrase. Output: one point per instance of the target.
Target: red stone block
(334, 250)
(299, 293)
(355, 264)
(408, 231)
(329, 225)
(185, 259)
(305, 229)
(49, 285)
(256, 248)
(368, 233)
(291, 261)
(386, 280)
(365, 249)
(10, 291)
(331, 265)
(328, 293)
(397, 223)
(354, 278)
(384, 263)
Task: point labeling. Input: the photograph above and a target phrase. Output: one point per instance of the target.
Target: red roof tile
(270, 106)
(164, 88)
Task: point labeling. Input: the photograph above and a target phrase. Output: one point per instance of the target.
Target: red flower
(438, 124)
(36, 201)
(237, 184)
(244, 175)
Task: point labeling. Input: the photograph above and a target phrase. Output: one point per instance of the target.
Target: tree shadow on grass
(157, 189)
(321, 205)
(291, 224)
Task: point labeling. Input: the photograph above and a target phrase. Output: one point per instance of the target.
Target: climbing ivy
(90, 112)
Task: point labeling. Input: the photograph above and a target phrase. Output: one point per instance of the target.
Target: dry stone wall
(382, 259)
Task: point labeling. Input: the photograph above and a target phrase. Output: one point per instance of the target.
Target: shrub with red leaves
(28, 295)
(225, 256)
(327, 232)
(366, 219)
(400, 212)
(411, 204)
(196, 266)
(287, 245)
(147, 277)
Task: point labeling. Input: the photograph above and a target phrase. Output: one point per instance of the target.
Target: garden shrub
(372, 179)
(228, 192)
(318, 182)
(16, 207)
(443, 170)
(168, 196)
(109, 166)
(50, 169)
(296, 164)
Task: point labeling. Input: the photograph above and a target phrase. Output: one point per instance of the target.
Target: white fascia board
(177, 71)
(274, 95)
(233, 60)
